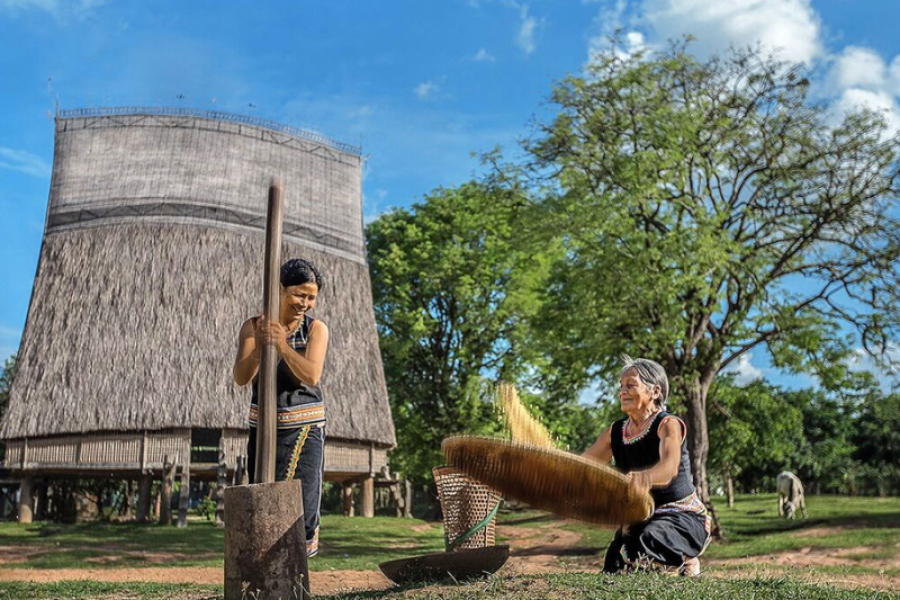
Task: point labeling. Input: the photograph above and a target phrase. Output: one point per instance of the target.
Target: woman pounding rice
(649, 443)
(301, 342)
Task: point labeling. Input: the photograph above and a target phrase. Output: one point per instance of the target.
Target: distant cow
(790, 495)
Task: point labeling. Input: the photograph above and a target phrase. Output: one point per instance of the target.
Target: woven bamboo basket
(466, 504)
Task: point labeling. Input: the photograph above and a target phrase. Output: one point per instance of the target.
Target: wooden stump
(265, 542)
(26, 499)
(184, 496)
(145, 483)
(165, 497)
(367, 498)
(347, 495)
(407, 502)
(157, 502)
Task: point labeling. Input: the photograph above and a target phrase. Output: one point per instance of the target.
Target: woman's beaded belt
(291, 417)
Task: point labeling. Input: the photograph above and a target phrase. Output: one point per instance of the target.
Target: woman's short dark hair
(298, 271)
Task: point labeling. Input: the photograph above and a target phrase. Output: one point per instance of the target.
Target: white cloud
(861, 78)
(790, 26)
(744, 371)
(895, 75)
(483, 56)
(426, 89)
(857, 76)
(860, 67)
(609, 22)
(24, 162)
(527, 29)
(57, 8)
(880, 101)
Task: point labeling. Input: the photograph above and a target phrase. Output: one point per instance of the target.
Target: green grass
(558, 586)
(352, 544)
(577, 586)
(81, 590)
(753, 527)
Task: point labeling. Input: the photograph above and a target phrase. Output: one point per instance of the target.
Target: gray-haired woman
(649, 444)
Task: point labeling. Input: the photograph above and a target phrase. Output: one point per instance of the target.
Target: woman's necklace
(635, 427)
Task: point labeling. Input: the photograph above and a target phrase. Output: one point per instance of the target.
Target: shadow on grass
(873, 521)
(557, 551)
(539, 518)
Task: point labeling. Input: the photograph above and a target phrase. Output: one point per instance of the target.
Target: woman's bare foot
(691, 567)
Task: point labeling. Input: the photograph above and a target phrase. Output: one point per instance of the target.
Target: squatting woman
(649, 444)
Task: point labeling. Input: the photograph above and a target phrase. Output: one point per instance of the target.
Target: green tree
(709, 209)
(753, 432)
(6, 379)
(453, 288)
(825, 463)
(877, 440)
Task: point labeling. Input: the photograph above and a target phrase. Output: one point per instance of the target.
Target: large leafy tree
(708, 210)
(453, 287)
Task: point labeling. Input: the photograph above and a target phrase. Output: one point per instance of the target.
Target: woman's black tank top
(298, 404)
(642, 452)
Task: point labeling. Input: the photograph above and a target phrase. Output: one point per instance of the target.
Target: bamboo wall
(146, 451)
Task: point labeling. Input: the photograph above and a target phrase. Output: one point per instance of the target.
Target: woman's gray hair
(651, 374)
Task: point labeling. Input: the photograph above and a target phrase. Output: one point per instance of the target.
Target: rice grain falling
(522, 426)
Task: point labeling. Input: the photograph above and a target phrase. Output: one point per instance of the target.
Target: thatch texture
(134, 314)
(560, 482)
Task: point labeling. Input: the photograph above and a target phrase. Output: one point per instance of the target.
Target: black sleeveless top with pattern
(298, 404)
(642, 452)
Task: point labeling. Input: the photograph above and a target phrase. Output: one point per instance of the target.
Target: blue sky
(420, 84)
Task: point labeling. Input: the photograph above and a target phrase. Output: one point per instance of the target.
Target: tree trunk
(698, 445)
(168, 482)
(347, 494)
(729, 489)
(407, 502)
(698, 437)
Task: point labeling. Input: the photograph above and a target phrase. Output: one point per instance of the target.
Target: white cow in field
(790, 495)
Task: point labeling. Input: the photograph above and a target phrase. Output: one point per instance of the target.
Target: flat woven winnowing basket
(469, 507)
(550, 479)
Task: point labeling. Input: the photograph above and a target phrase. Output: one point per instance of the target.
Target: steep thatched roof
(140, 291)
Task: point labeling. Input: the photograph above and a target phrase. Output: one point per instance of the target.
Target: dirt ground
(541, 549)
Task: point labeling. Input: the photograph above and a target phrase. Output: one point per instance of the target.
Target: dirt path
(324, 582)
(538, 549)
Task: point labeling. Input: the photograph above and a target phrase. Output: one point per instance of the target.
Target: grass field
(348, 544)
(863, 532)
(578, 586)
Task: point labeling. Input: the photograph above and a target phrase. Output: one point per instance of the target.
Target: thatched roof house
(152, 258)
